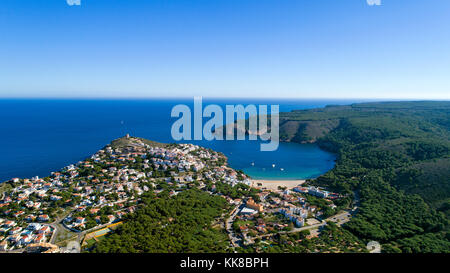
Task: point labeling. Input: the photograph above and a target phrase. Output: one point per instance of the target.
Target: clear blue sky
(225, 48)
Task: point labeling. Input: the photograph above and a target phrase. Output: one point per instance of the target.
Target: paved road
(235, 240)
(58, 223)
(57, 226)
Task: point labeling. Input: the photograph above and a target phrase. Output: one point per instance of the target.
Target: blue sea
(39, 136)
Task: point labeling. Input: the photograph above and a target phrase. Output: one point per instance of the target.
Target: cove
(289, 162)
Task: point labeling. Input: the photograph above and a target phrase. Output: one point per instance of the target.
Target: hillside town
(103, 189)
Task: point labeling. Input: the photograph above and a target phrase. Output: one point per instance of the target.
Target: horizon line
(219, 97)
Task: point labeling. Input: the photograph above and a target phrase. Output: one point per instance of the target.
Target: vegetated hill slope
(429, 179)
(389, 152)
(124, 142)
(181, 224)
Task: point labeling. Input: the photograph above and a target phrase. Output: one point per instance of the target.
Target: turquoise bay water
(290, 161)
(40, 136)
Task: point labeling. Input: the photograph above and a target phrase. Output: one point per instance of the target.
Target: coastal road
(235, 240)
(58, 226)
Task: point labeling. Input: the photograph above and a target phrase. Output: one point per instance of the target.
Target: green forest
(179, 224)
(395, 157)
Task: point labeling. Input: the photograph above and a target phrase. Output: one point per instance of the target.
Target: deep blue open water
(43, 135)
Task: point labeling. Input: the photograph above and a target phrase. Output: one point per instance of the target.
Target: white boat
(273, 165)
(253, 163)
(282, 169)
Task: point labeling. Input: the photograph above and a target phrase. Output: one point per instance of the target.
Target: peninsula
(101, 201)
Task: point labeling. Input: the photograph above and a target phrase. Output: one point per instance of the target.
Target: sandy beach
(273, 184)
